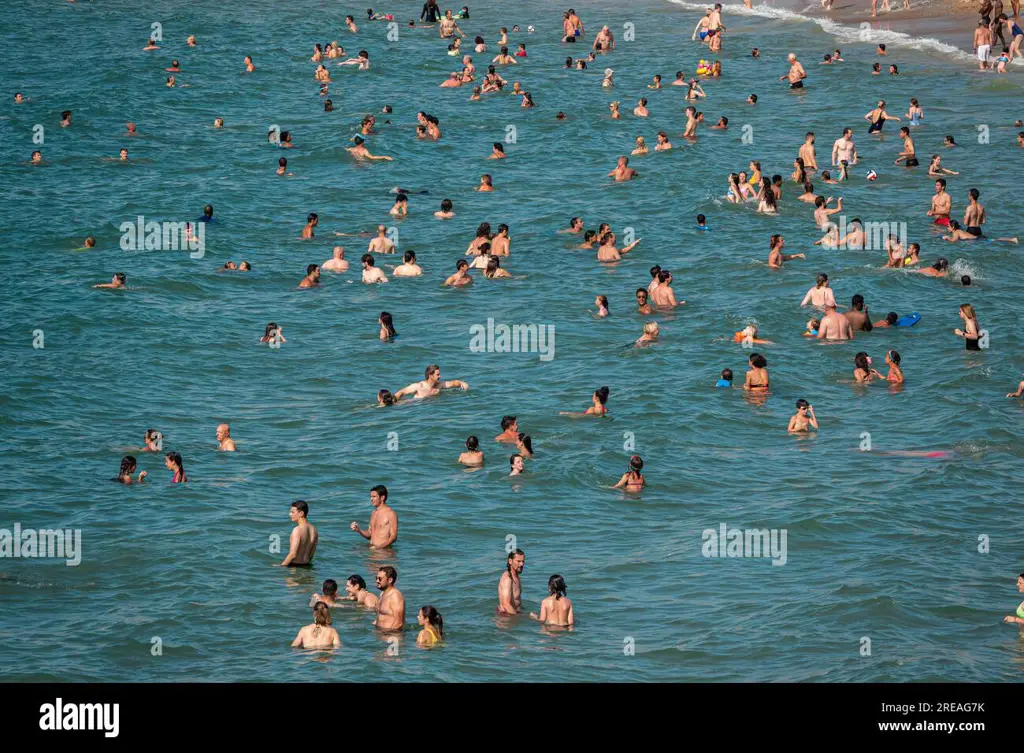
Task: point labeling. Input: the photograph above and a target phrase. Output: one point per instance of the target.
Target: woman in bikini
(1019, 618)
(174, 463)
(632, 480)
(892, 360)
(862, 372)
(433, 627)
(757, 375)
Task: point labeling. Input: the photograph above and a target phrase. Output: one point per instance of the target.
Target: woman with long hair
(433, 627)
(174, 463)
(387, 326)
(320, 634)
(971, 332)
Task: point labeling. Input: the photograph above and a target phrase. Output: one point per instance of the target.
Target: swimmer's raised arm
(455, 383)
(631, 246)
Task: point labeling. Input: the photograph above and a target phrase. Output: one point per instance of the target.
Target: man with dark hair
(391, 606)
(431, 384)
(858, 315)
(355, 587)
(510, 589)
(303, 539)
(329, 595)
(509, 430)
(312, 278)
(383, 529)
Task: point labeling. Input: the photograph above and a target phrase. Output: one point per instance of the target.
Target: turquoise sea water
(878, 546)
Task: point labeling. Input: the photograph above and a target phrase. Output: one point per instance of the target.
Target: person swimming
(124, 475)
(633, 480)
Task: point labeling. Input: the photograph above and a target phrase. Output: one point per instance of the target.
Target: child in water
(812, 328)
(804, 418)
(633, 480)
(726, 380)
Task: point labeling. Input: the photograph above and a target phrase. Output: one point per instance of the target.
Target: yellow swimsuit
(432, 632)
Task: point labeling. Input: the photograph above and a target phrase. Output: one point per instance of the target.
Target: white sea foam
(845, 33)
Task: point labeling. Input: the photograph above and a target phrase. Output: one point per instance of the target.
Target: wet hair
(321, 614)
(472, 443)
(826, 175)
(821, 279)
(282, 162)
(121, 277)
(940, 264)
(513, 553)
(643, 291)
(386, 397)
(894, 357)
(175, 458)
(727, 374)
(461, 263)
(861, 361)
(301, 507)
(388, 323)
(330, 587)
(312, 217)
(589, 236)
(389, 572)
(433, 617)
(512, 460)
(382, 491)
(814, 324)
(664, 275)
(311, 268)
(556, 586)
(655, 270)
(484, 231)
(892, 318)
(965, 280)
(601, 393)
(974, 193)
(410, 256)
(368, 259)
(527, 441)
(128, 466)
(758, 361)
(701, 218)
(808, 186)
(801, 403)
(636, 463)
(857, 301)
(270, 330)
(446, 205)
(507, 421)
(357, 581)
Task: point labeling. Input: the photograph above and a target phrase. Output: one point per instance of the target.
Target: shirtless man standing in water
(303, 539)
(942, 204)
(431, 385)
(510, 588)
(834, 326)
(383, 529)
(807, 154)
(843, 150)
(622, 170)
(391, 605)
(796, 74)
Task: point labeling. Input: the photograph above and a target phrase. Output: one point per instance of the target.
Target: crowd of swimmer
(488, 247)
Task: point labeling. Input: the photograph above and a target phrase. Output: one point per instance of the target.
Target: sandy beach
(948, 21)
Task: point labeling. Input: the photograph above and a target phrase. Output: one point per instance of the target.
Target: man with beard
(510, 589)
